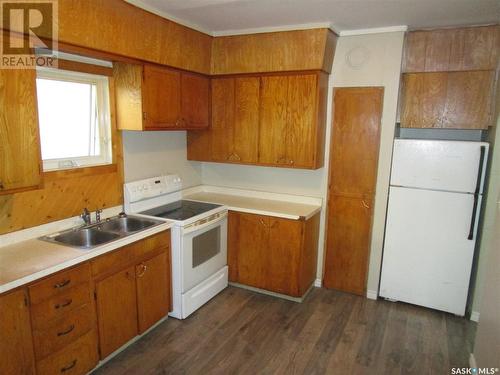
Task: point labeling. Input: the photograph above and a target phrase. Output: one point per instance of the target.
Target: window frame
(104, 126)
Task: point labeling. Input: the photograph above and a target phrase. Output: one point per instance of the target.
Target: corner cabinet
(20, 158)
(150, 97)
(271, 253)
(271, 120)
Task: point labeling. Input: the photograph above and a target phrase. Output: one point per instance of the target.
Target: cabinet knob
(142, 271)
(262, 222)
(365, 205)
(291, 162)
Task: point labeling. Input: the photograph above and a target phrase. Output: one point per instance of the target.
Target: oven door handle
(200, 224)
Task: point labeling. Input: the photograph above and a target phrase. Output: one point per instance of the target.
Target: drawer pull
(69, 367)
(62, 284)
(71, 328)
(143, 270)
(64, 304)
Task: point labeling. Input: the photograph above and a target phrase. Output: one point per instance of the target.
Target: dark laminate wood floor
(242, 332)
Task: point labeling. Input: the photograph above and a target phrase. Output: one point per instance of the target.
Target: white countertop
(24, 262)
(261, 203)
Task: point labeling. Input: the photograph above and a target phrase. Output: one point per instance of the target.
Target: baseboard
(371, 294)
(317, 283)
(472, 361)
(474, 316)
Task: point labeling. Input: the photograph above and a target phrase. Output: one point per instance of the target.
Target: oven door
(204, 249)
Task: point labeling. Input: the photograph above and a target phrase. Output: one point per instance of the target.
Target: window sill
(49, 176)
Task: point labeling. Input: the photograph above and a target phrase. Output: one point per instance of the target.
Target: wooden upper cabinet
(462, 49)
(20, 158)
(150, 97)
(194, 101)
(292, 114)
(233, 136)
(16, 345)
(453, 100)
(270, 120)
(161, 95)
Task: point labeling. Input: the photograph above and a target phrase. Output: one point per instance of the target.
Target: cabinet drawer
(130, 254)
(57, 306)
(78, 357)
(54, 336)
(59, 283)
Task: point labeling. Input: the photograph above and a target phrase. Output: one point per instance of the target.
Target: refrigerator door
(438, 165)
(427, 256)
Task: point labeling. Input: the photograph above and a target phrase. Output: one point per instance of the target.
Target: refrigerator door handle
(476, 193)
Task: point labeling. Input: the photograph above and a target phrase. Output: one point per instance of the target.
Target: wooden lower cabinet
(271, 253)
(116, 310)
(133, 291)
(153, 295)
(77, 358)
(16, 346)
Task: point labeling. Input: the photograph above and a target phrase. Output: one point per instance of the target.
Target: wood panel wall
(117, 27)
(274, 52)
(65, 193)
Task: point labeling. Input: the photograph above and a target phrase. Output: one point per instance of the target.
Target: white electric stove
(199, 239)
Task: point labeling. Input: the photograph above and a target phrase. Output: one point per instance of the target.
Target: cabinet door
(273, 120)
(469, 100)
(16, 346)
(116, 310)
(153, 290)
(283, 256)
(161, 92)
(246, 120)
(302, 113)
(355, 141)
(222, 130)
(19, 134)
(248, 247)
(194, 101)
(348, 242)
(423, 100)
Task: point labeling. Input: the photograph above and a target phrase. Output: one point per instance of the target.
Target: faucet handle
(98, 215)
(85, 215)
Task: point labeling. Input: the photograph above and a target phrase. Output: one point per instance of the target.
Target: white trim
(101, 106)
(274, 29)
(371, 294)
(375, 30)
(141, 4)
(472, 361)
(474, 316)
(318, 283)
(83, 59)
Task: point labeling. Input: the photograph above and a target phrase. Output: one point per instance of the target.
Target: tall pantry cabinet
(352, 180)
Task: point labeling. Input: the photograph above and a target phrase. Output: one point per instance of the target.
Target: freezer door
(438, 165)
(427, 257)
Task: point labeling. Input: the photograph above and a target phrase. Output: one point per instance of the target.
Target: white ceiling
(224, 17)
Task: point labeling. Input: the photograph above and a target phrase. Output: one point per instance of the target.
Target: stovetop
(180, 210)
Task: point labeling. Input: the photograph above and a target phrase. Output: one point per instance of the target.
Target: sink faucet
(86, 216)
(98, 216)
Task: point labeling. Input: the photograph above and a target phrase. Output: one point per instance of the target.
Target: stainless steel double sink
(89, 236)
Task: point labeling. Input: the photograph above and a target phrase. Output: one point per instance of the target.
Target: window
(74, 119)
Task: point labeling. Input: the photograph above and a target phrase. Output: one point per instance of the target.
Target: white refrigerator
(433, 212)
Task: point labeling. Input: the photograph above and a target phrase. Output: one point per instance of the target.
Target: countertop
(24, 262)
(261, 203)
